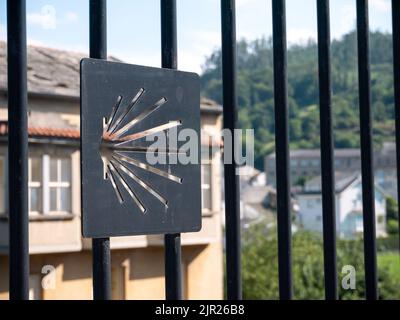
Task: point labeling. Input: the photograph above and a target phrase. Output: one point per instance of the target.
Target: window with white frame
(206, 174)
(49, 184)
(206, 196)
(35, 184)
(60, 185)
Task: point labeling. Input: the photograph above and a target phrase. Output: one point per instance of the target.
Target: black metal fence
(18, 147)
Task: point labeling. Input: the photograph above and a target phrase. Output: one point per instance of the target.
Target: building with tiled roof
(348, 205)
(54, 198)
(306, 164)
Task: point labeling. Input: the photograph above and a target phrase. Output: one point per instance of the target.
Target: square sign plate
(133, 182)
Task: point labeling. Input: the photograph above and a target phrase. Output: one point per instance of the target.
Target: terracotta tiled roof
(61, 133)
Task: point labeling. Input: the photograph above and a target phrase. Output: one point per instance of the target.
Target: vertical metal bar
(100, 246)
(173, 267)
(327, 170)
(366, 150)
(98, 29)
(101, 269)
(18, 150)
(282, 149)
(231, 181)
(169, 44)
(172, 242)
(396, 70)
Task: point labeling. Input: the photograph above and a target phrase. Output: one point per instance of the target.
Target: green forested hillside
(256, 101)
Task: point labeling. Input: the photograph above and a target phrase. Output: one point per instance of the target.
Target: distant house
(253, 196)
(306, 163)
(253, 193)
(250, 176)
(348, 201)
(386, 169)
(253, 202)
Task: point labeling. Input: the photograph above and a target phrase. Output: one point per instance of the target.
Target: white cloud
(200, 43)
(300, 35)
(242, 3)
(381, 5)
(33, 42)
(3, 35)
(347, 21)
(191, 61)
(71, 16)
(140, 58)
(204, 40)
(194, 47)
(46, 18)
(249, 35)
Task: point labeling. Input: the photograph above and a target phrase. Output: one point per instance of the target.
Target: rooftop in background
(44, 132)
(342, 181)
(387, 148)
(53, 72)
(316, 153)
(209, 105)
(50, 71)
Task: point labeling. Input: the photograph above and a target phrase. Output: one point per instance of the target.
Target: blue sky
(134, 25)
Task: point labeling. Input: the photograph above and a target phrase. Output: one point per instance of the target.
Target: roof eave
(46, 95)
(217, 109)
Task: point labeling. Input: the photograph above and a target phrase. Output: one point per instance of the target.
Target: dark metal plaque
(123, 192)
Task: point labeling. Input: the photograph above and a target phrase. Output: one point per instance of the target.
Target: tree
(391, 209)
(256, 93)
(392, 216)
(260, 267)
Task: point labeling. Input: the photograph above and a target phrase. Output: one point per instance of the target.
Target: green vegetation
(256, 111)
(256, 100)
(260, 267)
(391, 262)
(392, 216)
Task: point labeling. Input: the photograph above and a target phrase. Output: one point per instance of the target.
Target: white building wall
(310, 212)
(349, 220)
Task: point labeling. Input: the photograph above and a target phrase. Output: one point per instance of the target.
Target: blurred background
(58, 37)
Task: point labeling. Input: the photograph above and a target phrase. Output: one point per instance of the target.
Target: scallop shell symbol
(119, 154)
